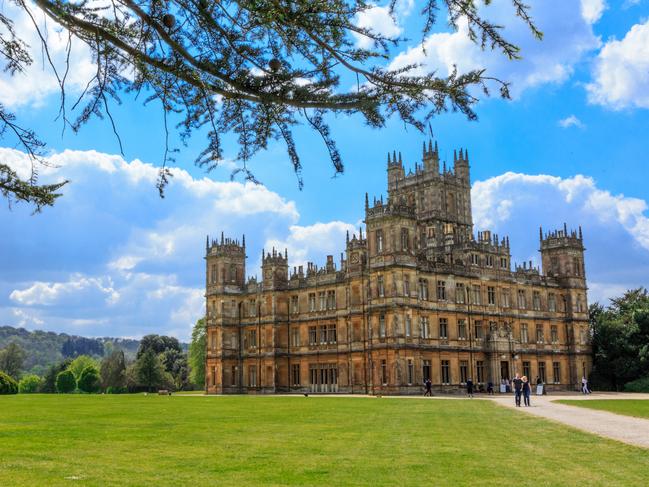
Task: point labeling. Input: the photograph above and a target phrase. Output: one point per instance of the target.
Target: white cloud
(38, 81)
(76, 291)
(378, 19)
(567, 38)
(571, 121)
(621, 71)
(592, 10)
(615, 227)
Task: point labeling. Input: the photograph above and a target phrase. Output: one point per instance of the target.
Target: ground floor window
(426, 370)
(252, 376)
(323, 377)
(233, 375)
(556, 372)
(480, 370)
(542, 371)
(464, 371)
(295, 374)
(446, 372)
(213, 376)
(411, 372)
(384, 373)
(527, 370)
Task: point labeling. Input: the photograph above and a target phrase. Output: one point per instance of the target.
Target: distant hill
(45, 347)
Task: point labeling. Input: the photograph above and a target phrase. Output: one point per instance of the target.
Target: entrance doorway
(504, 370)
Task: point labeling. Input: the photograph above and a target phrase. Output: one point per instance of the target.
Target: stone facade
(417, 295)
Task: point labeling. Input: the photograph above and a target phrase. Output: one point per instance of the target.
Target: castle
(417, 296)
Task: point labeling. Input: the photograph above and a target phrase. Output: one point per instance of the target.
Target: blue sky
(113, 259)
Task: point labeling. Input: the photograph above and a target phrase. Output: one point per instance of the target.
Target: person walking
(429, 387)
(527, 390)
(469, 387)
(584, 386)
(490, 388)
(517, 383)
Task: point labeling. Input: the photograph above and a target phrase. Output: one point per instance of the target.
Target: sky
(113, 259)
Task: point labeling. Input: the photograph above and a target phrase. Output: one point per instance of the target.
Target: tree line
(160, 363)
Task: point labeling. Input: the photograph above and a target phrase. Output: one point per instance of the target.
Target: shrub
(115, 390)
(29, 384)
(65, 382)
(638, 385)
(7, 384)
(89, 379)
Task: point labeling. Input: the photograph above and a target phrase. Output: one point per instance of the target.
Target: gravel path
(634, 431)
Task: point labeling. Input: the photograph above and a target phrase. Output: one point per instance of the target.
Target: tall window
(542, 371)
(524, 333)
(382, 325)
(459, 293)
(311, 301)
(331, 299)
(475, 259)
(252, 375)
(379, 241)
(295, 337)
(539, 333)
(446, 372)
(411, 372)
(489, 261)
(406, 286)
(576, 266)
(322, 298)
(522, 302)
(441, 290)
(479, 370)
(505, 298)
(423, 289)
(404, 239)
(461, 329)
(536, 301)
(464, 371)
(491, 295)
(213, 341)
(380, 286)
(425, 328)
(252, 339)
(556, 372)
(233, 375)
(552, 302)
(443, 328)
(332, 336)
(476, 294)
(554, 334)
(479, 330)
(313, 335)
(408, 321)
(295, 307)
(503, 262)
(322, 329)
(213, 273)
(295, 374)
(426, 369)
(384, 373)
(233, 273)
(527, 370)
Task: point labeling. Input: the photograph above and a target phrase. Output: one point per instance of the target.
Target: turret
(395, 170)
(562, 254)
(430, 157)
(226, 264)
(274, 268)
(461, 167)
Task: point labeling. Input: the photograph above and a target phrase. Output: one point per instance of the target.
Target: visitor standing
(490, 388)
(429, 387)
(584, 386)
(527, 390)
(469, 387)
(518, 388)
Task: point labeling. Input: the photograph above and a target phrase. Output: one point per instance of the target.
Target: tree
(80, 363)
(620, 340)
(113, 371)
(149, 371)
(75, 346)
(12, 358)
(89, 379)
(65, 382)
(197, 352)
(251, 68)
(7, 384)
(49, 381)
(30, 384)
(158, 344)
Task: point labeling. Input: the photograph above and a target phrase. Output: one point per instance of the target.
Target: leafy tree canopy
(12, 358)
(65, 382)
(113, 371)
(80, 363)
(7, 384)
(251, 68)
(158, 344)
(197, 350)
(149, 371)
(89, 379)
(30, 384)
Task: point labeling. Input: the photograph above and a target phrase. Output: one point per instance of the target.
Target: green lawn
(629, 407)
(155, 440)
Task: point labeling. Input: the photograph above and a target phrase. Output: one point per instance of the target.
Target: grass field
(629, 407)
(152, 440)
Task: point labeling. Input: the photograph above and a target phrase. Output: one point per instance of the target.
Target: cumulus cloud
(615, 227)
(571, 121)
(37, 82)
(592, 10)
(112, 258)
(621, 71)
(567, 38)
(378, 19)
